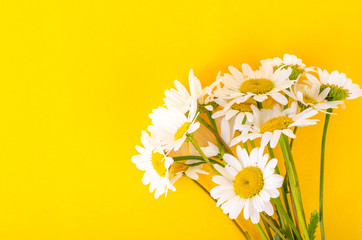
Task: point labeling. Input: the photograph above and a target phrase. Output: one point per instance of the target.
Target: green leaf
(312, 226)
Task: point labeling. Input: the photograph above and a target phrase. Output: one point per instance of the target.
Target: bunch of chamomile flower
(229, 131)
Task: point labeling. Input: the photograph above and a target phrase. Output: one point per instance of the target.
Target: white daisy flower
(310, 96)
(291, 61)
(340, 86)
(239, 87)
(269, 124)
(181, 99)
(170, 126)
(156, 165)
(226, 133)
(240, 110)
(247, 182)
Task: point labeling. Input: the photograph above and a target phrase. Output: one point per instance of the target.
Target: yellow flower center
(158, 164)
(277, 123)
(308, 99)
(257, 86)
(181, 130)
(248, 182)
(244, 106)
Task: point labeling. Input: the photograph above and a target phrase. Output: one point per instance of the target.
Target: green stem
(285, 146)
(285, 197)
(271, 224)
(213, 125)
(206, 159)
(181, 158)
(292, 140)
(296, 179)
(261, 231)
(260, 105)
(267, 227)
(202, 121)
(245, 144)
(279, 205)
(246, 234)
(321, 180)
(252, 143)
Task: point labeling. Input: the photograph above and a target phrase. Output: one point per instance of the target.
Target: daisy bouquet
(229, 131)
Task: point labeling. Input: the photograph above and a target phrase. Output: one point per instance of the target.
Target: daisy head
(269, 124)
(170, 127)
(155, 164)
(238, 110)
(181, 99)
(311, 96)
(340, 86)
(259, 84)
(247, 182)
(296, 64)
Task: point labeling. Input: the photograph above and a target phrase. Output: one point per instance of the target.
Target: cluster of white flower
(207, 130)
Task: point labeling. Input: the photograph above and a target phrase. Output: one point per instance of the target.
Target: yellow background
(78, 79)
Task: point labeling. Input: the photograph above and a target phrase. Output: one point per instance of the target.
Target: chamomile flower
(310, 96)
(239, 87)
(340, 86)
(247, 182)
(156, 166)
(181, 99)
(240, 110)
(296, 64)
(269, 124)
(226, 133)
(170, 126)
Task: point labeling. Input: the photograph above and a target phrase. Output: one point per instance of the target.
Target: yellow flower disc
(248, 182)
(257, 86)
(277, 123)
(158, 164)
(181, 130)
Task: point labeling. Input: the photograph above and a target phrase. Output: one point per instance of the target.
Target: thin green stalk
(292, 201)
(260, 104)
(213, 125)
(267, 228)
(202, 121)
(261, 231)
(292, 140)
(245, 144)
(245, 233)
(285, 146)
(182, 158)
(285, 196)
(193, 141)
(296, 179)
(271, 224)
(321, 179)
(252, 143)
(279, 205)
